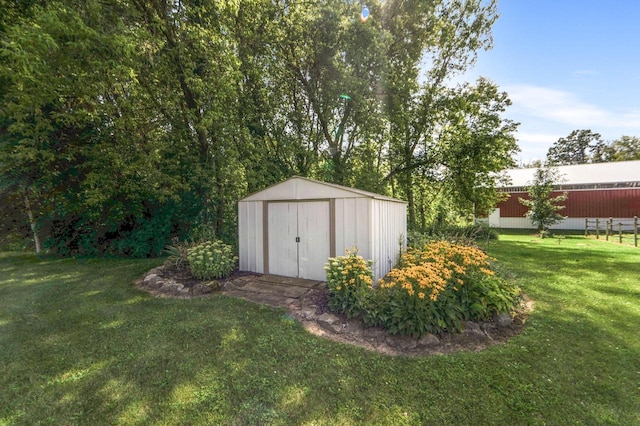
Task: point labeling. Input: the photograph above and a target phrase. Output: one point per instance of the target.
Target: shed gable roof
(300, 188)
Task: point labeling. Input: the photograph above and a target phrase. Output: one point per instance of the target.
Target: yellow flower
(421, 295)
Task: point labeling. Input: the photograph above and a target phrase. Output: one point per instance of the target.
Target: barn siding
(602, 203)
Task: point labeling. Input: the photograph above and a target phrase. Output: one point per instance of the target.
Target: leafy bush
(440, 286)
(464, 235)
(349, 279)
(433, 289)
(210, 260)
(178, 253)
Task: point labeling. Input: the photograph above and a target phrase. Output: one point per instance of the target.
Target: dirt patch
(310, 308)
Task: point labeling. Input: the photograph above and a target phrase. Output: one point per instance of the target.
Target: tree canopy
(125, 123)
(544, 209)
(580, 147)
(585, 146)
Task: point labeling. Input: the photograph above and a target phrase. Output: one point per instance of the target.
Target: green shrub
(464, 235)
(211, 259)
(441, 285)
(349, 280)
(178, 253)
(434, 289)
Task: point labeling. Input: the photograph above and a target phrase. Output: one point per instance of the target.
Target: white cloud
(565, 108)
(531, 138)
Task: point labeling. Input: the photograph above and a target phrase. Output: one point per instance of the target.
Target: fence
(618, 228)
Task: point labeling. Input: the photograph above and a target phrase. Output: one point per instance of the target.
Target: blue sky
(567, 65)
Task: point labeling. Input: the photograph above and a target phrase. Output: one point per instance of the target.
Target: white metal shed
(293, 227)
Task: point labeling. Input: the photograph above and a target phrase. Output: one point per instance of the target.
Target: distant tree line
(585, 146)
(125, 123)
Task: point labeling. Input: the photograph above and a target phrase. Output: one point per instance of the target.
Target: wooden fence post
(597, 229)
(609, 228)
(586, 227)
(635, 231)
(620, 231)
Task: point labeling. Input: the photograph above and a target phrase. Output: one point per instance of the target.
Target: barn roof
(301, 188)
(584, 174)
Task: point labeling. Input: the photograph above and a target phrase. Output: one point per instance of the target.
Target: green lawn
(80, 345)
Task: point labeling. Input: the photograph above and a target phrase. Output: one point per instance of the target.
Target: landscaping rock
(150, 280)
(212, 285)
(488, 326)
(200, 289)
(171, 287)
(329, 322)
(474, 335)
(428, 340)
(502, 319)
(306, 314)
(470, 325)
(401, 342)
(374, 333)
(353, 327)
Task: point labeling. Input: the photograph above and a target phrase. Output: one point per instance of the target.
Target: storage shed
(293, 227)
(595, 191)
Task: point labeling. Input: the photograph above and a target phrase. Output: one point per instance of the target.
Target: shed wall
(251, 237)
(388, 230)
(352, 225)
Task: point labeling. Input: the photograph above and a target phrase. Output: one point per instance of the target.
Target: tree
(543, 207)
(125, 123)
(580, 147)
(627, 148)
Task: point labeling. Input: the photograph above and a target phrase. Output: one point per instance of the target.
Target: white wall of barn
(572, 223)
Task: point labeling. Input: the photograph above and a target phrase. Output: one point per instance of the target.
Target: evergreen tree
(543, 207)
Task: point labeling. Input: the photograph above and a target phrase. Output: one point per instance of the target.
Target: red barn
(601, 190)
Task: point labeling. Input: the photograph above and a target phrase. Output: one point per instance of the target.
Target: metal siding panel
(314, 245)
(340, 226)
(511, 207)
(352, 225)
(584, 203)
(362, 235)
(283, 249)
(243, 239)
(258, 237)
(388, 228)
(250, 236)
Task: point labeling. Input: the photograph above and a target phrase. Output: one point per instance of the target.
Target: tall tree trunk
(408, 188)
(32, 223)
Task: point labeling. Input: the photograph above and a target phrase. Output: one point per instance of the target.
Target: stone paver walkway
(272, 290)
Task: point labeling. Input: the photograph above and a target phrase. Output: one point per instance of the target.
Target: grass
(80, 345)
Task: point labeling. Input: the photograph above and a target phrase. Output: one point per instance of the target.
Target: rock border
(312, 312)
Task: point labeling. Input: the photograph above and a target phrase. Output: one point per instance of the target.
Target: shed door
(299, 239)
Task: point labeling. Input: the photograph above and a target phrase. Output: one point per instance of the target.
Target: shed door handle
(297, 239)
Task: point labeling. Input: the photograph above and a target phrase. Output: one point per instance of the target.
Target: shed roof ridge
(333, 185)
